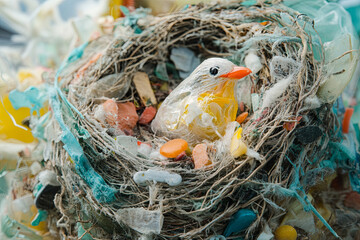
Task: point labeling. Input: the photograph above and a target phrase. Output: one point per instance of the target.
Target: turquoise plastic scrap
(354, 11)
(38, 130)
(101, 190)
(332, 23)
(131, 18)
(296, 190)
(14, 230)
(241, 220)
(40, 217)
(32, 98)
(81, 232)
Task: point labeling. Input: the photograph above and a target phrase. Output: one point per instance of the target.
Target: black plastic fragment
(308, 134)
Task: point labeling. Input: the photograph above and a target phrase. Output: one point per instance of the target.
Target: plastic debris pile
(273, 165)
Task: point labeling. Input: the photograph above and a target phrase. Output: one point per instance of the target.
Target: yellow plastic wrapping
(203, 104)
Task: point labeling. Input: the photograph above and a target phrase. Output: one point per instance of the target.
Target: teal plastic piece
(40, 217)
(32, 98)
(101, 190)
(4, 188)
(37, 189)
(81, 232)
(39, 130)
(249, 3)
(355, 15)
(14, 230)
(131, 18)
(332, 23)
(240, 222)
(161, 71)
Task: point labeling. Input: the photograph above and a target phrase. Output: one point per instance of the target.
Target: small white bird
(203, 104)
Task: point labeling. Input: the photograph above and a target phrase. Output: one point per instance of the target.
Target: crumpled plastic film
(141, 220)
(201, 106)
(338, 36)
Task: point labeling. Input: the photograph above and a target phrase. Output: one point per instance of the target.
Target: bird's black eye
(214, 70)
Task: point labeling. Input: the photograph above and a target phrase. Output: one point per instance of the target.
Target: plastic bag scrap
(201, 106)
(39, 26)
(333, 25)
(142, 220)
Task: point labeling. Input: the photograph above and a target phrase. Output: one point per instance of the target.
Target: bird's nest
(202, 205)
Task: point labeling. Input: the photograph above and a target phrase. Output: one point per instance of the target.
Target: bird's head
(219, 69)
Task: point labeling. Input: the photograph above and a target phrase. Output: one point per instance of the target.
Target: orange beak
(237, 73)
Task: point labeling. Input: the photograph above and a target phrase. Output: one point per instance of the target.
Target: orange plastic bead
(241, 118)
(173, 148)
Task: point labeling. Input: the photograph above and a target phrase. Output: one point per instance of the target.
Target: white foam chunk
(266, 234)
(172, 179)
(253, 62)
(275, 92)
(141, 220)
(48, 177)
(35, 168)
(253, 154)
(23, 203)
(144, 149)
(99, 113)
(155, 154)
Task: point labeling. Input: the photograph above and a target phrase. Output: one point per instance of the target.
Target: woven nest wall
(203, 203)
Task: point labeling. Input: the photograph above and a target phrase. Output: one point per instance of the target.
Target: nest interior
(206, 199)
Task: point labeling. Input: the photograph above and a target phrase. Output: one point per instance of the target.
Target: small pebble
(285, 232)
(241, 118)
(352, 200)
(242, 106)
(147, 116)
(173, 148)
(127, 116)
(111, 112)
(200, 156)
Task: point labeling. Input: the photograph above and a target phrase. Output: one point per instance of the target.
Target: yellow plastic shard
(8, 130)
(237, 147)
(23, 75)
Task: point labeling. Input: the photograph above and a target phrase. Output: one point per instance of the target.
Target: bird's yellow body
(220, 104)
(203, 104)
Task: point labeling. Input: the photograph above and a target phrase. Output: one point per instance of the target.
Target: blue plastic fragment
(240, 222)
(40, 217)
(81, 232)
(76, 53)
(101, 190)
(249, 3)
(38, 130)
(296, 190)
(32, 98)
(125, 10)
